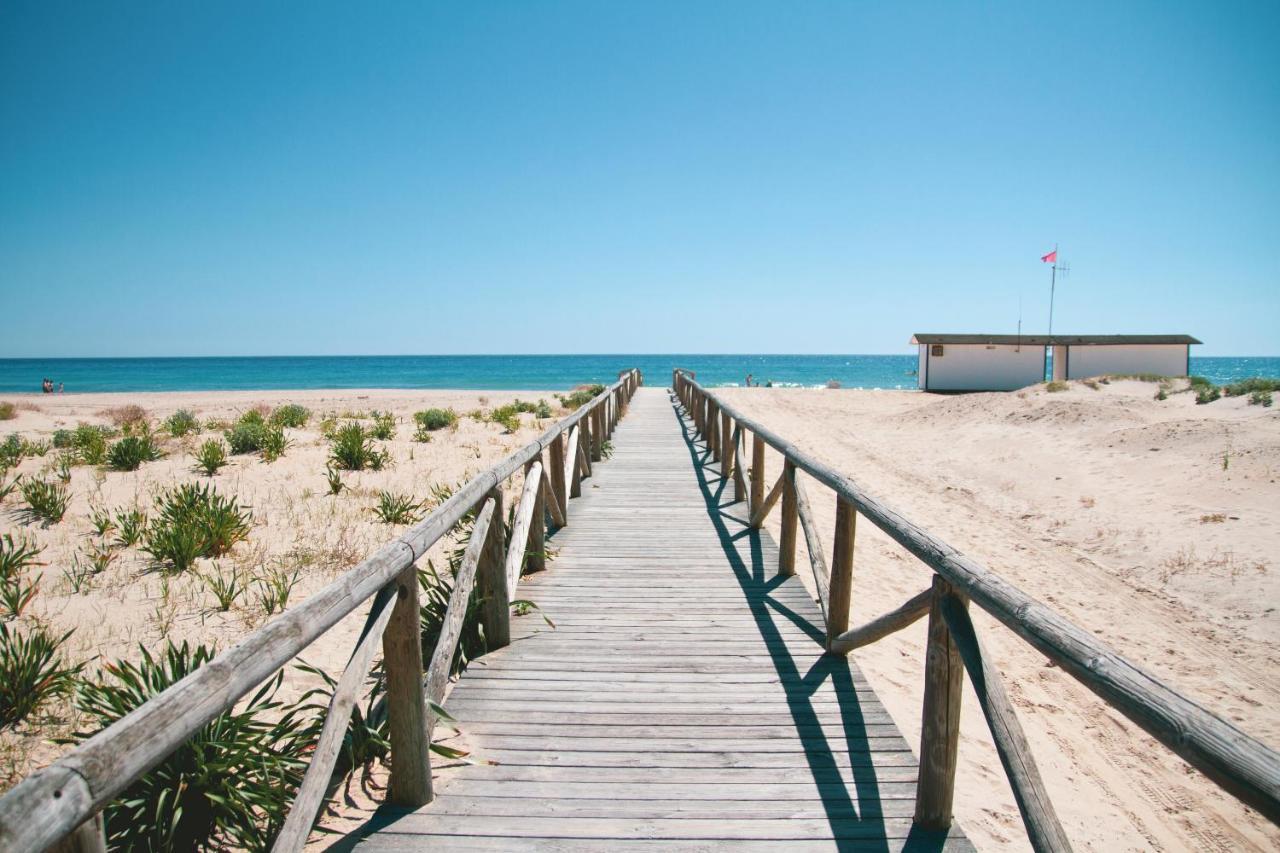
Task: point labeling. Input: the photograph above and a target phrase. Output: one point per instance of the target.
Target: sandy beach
(1154, 524)
(298, 527)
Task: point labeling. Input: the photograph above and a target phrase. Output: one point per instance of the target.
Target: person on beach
(748, 380)
(60, 386)
(46, 385)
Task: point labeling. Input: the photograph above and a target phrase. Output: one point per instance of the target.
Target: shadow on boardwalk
(844, 808)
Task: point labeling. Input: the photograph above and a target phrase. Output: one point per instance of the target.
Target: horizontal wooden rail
(1240, 764)
(53, 802)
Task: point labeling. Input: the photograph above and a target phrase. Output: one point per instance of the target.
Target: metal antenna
(1059, 268)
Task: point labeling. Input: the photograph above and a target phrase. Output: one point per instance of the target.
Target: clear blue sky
(267, 178)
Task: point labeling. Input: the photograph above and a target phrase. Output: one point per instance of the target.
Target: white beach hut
(1082, 356)
(979, 362)
(974, 362)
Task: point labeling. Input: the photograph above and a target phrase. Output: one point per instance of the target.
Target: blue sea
(494, 372)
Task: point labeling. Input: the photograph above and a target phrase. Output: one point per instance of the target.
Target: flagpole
(1053, 281)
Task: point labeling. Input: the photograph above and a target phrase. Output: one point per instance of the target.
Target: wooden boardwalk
(683, 700)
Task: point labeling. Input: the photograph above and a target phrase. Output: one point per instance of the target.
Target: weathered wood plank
(311, 793)
(1043, 828)
(682, 683)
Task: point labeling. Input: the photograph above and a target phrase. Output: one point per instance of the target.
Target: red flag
(1050, 258)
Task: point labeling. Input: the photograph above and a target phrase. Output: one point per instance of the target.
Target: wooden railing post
(726, 445)
(757, 472)
(88, 837)
(555, 471)
(597, 432)
(537, 557)
(410, 783)
(790, 515)
(713, 429)
(491, 578)
(940, 722)
(841, 589)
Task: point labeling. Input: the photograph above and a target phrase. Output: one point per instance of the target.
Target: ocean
(495, 372)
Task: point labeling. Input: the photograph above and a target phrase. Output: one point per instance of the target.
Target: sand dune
(1154, 524)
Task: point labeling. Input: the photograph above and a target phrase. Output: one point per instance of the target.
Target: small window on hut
(936, 350)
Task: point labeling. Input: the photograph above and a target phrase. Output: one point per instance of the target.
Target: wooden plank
(817, 559)
(940, 723)
(410, 783)
(537, 548)
(681, 684)
(559, 483)
(790, 515)
(882, 626)
(491, 579)
(455, 613)
(571, 468)
(315, 782)
(841, 571)
(1038, 816)
(760, 511)
(757, 478)
(1240, 764)
(522, 526)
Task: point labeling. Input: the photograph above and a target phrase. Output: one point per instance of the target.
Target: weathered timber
(559, 481)
(455, 613)
(88, 837)
(757, 476)
(54, 801)
(790, 515)
(572, 466)
(537, 547)
(549, 499)
(841, 571)
(1043, 828)
(940, 718)
(491, 578)
(311, 793)
(410, 783)
(760, 511)
(1240, 764)
(522, 526)
(882, 626)
(683, 698)
(813, 544)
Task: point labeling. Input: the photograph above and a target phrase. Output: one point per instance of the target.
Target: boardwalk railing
(1242, 766)
(61, 803)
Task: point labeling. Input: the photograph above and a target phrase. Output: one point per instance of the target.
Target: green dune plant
(194, 521)
(334, 477)
(226, 587)
(274, 442)
(352, 450)
(384, 426)
(32, 672)
(1260, 398)
(132, 526)
(181, 423)
(211, 456)
(16, 556)
(46, 501)
(1207, 394)
(8, 411)
(435, 419)
(579, 397)
(395, 508)
(1249, 386)
(275, 585)
(228, 787)
(507, 417)
(291, 415)
(12, 450)
(130, 452)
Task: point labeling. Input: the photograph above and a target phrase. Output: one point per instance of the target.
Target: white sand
(297, 526)
(1103, 504)
(1154, 524)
